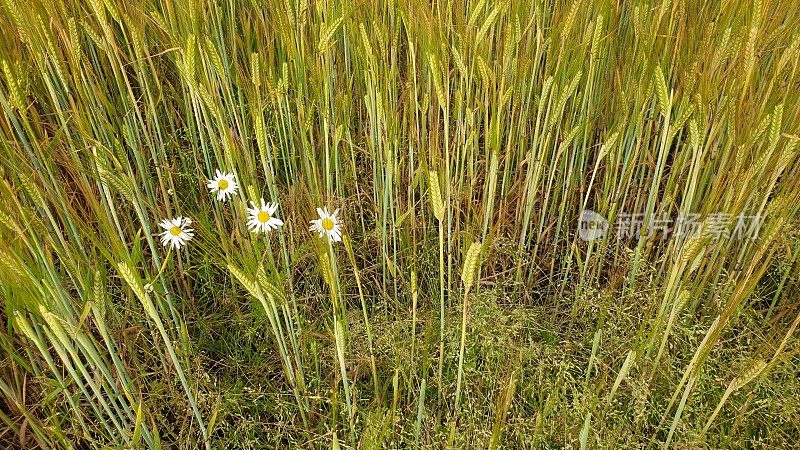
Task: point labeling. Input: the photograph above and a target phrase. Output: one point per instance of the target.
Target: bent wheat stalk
(471, 263)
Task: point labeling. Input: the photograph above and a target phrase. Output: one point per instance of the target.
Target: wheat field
(360, 224)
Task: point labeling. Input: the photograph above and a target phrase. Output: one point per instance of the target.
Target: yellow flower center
(223, 184)
(263, 216)
(327, 224)
(175, 231)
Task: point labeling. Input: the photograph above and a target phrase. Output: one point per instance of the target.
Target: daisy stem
(268, 252)
(339, 330)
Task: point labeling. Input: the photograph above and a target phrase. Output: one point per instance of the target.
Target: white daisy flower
(327, 225)
(176, 231)
(224, 185)
(262, 218)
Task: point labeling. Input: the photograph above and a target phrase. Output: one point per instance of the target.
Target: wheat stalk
(468, 274)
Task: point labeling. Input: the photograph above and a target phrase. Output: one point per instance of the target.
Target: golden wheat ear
(471, 263)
